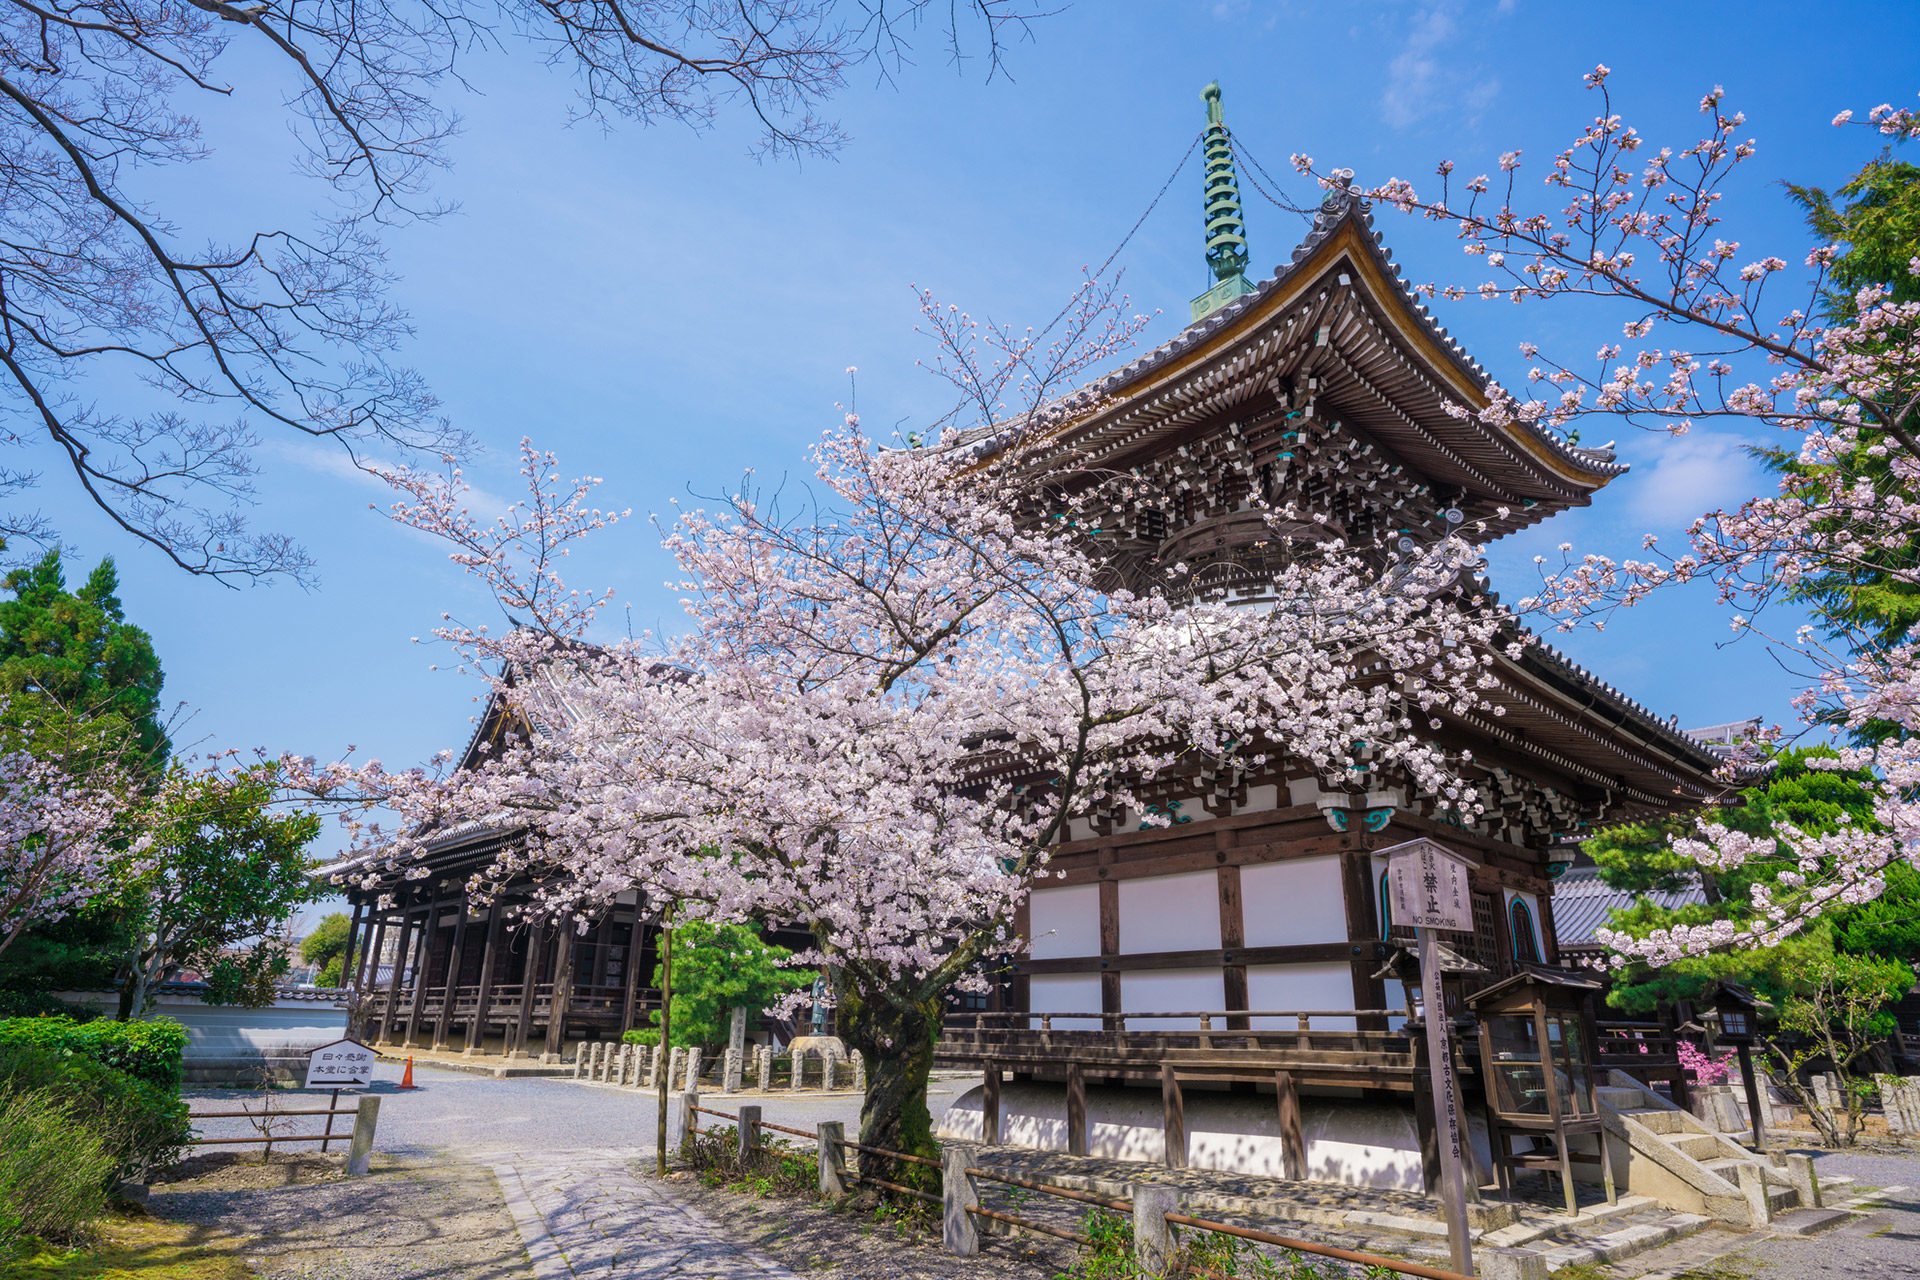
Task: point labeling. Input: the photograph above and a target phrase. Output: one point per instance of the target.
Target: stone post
(957, 1227)
(580, 1062)
(730, 1071)
(360, 1149)
(799, 1060)
(859, 1071)
(654, 1067)
(1152, 1238)
(1805, 1180)
(684, 1122)
(764, 1063)
(829, 1070)
(1753, 1186)
(598, 1067)
(693, 1068)
(1510, 1264)
(747, 1136)
(629, 1064)
(676, 1068)
(833, 1159)
(737, 1029)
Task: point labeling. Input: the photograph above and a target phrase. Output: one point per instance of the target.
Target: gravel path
(302, 1220)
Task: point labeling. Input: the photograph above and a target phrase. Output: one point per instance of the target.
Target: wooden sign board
(1428, 886)
(342, 1063)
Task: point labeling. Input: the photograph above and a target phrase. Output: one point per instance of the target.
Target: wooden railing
(1648, 1051)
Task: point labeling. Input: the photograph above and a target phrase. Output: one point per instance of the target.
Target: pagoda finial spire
(1226, 231)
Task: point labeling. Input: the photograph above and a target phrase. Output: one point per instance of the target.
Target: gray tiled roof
(1582, 901)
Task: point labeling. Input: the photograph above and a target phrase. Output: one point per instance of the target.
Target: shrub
(54, 1167)
(151, 1050)
(33, 1004)
(142, 1125)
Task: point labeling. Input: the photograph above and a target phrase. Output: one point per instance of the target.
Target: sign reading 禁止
(343, 1062)
(1427, 887)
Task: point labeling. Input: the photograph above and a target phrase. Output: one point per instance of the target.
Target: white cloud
(1428, 75)
(1690, 476)
(314, 456)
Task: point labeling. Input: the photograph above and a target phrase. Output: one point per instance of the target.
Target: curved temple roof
(1337, 313)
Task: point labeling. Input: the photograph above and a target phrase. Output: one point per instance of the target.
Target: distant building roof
(1582, 901)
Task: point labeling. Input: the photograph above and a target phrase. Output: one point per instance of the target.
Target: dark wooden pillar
(1233, 938)
(1357, 885)
(1293, 1143)
(523, 1025)
(369, 971)
(452, 982)
(635, 939)
(353, 940)
(423, 966)
(1173, 1117)
(388, 1014)
(1109, 948)
(1425, 1123)
(562, 993)
(1020, 989)
(1076, 1111)
(477, 1029)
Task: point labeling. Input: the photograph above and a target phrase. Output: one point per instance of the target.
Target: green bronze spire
(1226, 232)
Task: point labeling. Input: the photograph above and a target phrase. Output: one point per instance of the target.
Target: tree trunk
(897, 1042)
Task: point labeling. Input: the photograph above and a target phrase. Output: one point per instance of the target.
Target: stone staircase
(1669, 1154)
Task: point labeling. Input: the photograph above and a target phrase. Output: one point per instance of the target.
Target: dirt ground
(300, 1218)
(812, 1239)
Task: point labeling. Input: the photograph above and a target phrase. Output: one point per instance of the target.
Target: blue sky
(664, 309)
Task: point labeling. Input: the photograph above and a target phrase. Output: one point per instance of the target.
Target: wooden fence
(1154, 1207)
(359, 1139)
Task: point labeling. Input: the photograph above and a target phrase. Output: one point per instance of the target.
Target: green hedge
(151, 1051)
(142, 1125)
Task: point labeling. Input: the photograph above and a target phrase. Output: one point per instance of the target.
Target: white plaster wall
(1065, 921)
(1170, 913)
(1293, 902)
(1171, 991)
(1067, 993)
(1359, 1144)
(1327, 985)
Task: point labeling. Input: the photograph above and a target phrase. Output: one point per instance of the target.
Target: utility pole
(666, 1032)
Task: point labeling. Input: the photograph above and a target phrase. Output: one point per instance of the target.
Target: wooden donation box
(1537, 1068)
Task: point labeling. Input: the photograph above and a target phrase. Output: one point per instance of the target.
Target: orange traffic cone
(406, 1079)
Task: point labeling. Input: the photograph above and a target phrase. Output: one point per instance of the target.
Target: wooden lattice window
(1486, 942)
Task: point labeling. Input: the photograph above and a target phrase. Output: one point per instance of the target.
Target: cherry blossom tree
(286, 332)
(896, 693)
(64, 837)
(1632, 229)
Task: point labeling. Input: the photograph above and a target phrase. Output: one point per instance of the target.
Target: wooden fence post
(833, 1159)
(748, 1135)
(360, 1150)
(990, 1106)
(957, 1196)
(1152, 1238)
(1076, 1111)
(1173, 1118)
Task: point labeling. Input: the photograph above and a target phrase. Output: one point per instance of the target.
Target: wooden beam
(1109, 969)
(1293, 1143)
(636, 941)
(1357, 889)
(1173, 1117)
(452, 982)
(429, 930)
(1233, 939)
(393, 982)
(1299, 953)
(488, 957)
(990, 1105)
(1076, 1111)
(523, 1024)
(562, 993)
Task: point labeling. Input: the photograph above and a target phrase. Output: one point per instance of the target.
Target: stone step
(1620, 1097)
(1658, 1119)
(1701, 1146)
(1805, 1222)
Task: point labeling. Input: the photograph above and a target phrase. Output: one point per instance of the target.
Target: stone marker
(799, 1059)
(764, 1061)
(360, 1149)
(1152, 1238)
(1753, 1185)
(829, 1070)
(958, 1230)
(580, 1062)
(747, 1135)
(1805, 1181)
(676, 1068)
(833, 1159)
(737, 1029)
(683, 1123)
(859, 1071)
(693, 1068)
(730, 1071)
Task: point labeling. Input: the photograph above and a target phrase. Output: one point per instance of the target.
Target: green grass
(132, 1247)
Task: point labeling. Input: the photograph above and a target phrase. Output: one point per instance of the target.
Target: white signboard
(343, 1062)
(1428, 887)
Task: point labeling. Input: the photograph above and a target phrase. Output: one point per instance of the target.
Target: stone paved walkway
(589, 1214)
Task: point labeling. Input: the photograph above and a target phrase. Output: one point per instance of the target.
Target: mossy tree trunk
(895, 1033)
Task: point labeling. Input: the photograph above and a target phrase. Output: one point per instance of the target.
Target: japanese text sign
(343, 1062)
(1428, 887)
